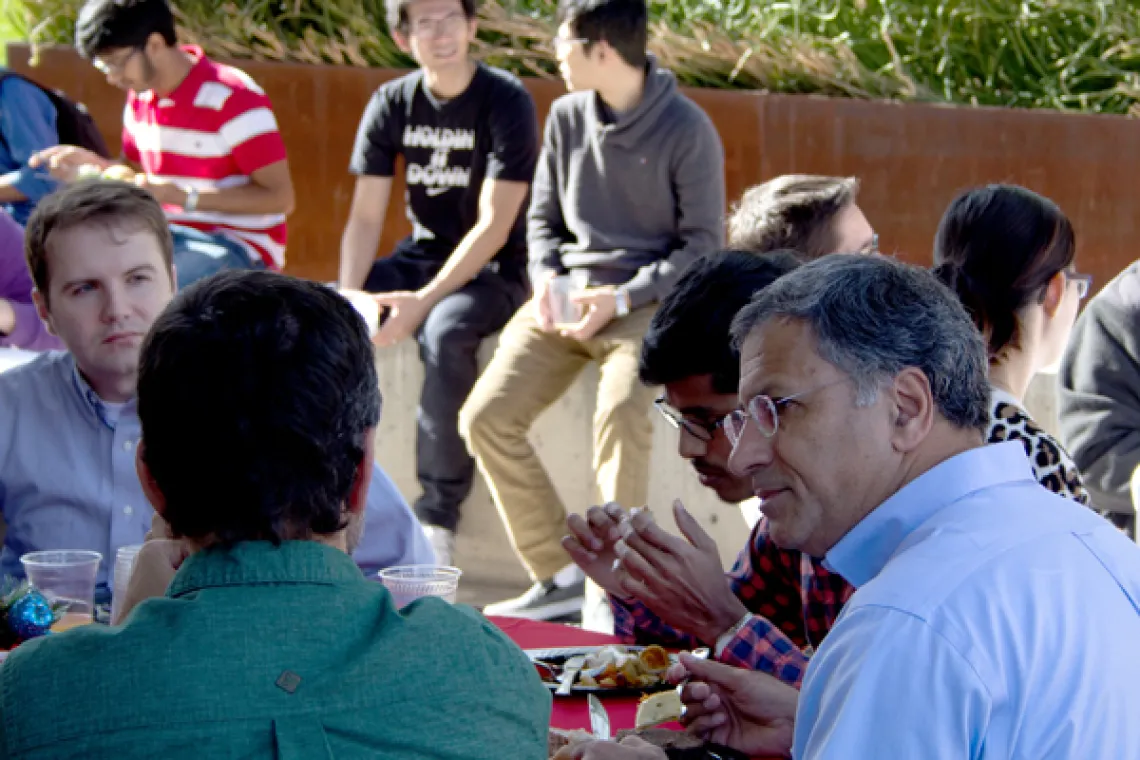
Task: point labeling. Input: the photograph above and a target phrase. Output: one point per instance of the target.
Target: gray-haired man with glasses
(978, 626)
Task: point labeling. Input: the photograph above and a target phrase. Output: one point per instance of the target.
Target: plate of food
(609, 669)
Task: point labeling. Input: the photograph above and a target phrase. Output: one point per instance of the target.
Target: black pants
(449, 344)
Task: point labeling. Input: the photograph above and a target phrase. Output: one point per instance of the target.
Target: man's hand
(599, 305)
(157, 562)
(406, 312)
(681, 581)
(541, 303)
(751, 712)
(64, 161)
(630, 748)
(591, 544)
(166, 193)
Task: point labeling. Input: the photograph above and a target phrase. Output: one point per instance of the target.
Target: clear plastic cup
(121, 577)
(367, 307)
(562, 310)
(408, 583)
(66, 578)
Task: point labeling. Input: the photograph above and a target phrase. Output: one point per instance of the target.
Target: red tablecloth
(570, 712)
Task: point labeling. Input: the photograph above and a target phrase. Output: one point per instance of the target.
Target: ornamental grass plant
(1069, 55)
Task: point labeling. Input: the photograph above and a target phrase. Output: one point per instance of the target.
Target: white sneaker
(558, 597)
(442, 543)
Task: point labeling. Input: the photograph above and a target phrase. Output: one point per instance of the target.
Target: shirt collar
(254, 563)
(90, 398)
(188, 83)
(861, 554)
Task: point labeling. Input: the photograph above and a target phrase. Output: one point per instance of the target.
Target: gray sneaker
(545, 600)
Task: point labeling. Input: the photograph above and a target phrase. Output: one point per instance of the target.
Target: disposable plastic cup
(408, 583)
(67, 579)
(562, 310)
(121, 577)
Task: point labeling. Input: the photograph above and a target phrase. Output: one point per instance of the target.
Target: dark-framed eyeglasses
(764, 411)
(702, 431)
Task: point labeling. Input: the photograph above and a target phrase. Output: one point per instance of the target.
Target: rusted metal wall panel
(912, 159)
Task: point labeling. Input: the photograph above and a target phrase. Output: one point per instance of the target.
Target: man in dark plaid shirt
(776, 605)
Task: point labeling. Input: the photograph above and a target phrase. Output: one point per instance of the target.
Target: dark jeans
(197, 255)
(449, 344)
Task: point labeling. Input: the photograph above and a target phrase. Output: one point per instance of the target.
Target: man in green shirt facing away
(258, 400)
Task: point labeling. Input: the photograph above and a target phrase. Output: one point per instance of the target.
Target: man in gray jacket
(629, 191)
(1099, 410)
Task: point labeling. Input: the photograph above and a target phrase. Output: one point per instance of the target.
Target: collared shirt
(287, 652)
(214, 131)
(795, 600)
(27, 126)
(68, 479)
(993, 619)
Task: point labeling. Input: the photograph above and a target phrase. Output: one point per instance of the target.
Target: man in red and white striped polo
(203, 135)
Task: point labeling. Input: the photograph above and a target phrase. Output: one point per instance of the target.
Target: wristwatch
(726, 638)
(622, 302)
(191, 204)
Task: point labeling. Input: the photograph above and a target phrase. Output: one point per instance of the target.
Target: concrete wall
(562, 437)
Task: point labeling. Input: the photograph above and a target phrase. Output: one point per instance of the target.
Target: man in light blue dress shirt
(992, 618)
(100, 256)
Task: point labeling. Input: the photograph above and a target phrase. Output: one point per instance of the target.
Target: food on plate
(617, 667)
(680, 745)
(119, 172)
(609, 667)
(655, 709)
(655, 658)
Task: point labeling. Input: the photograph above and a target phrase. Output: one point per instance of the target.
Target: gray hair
(873, 317)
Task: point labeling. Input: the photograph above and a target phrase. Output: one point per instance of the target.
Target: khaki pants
(530, 370)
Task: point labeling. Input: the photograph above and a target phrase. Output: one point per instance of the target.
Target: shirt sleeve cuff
(641, 289)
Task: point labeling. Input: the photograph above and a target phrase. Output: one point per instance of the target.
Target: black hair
(397, 13)
(255, 392)
(997, 247)
(105, 25)
(622, 24)
(690, 333)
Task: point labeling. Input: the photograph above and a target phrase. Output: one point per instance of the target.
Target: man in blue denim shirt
(100, 255)
(27, 126)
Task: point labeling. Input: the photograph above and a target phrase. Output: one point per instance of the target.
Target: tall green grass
(1080, 55)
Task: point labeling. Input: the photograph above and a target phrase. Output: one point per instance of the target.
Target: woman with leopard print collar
(1009, 255)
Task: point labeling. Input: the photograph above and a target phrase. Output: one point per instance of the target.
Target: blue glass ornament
(30, 616)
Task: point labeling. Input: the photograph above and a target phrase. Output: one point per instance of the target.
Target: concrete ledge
(563, 438)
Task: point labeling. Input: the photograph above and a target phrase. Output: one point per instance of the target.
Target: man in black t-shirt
(469, 137)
